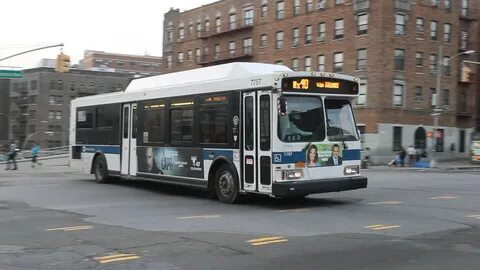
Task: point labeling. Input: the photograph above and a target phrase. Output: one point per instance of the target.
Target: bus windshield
(303, 120)
(340, 122)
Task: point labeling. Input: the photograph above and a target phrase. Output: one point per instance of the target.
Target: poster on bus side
(171, 161)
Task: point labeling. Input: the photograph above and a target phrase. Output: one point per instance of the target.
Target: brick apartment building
(40, 101)
(393, 46)
(141, 65)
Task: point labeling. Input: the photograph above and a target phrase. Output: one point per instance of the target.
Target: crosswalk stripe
(74, 228)
(294, 210)
(270, 242)
(387, 202)
(377, 227)
(264, 239)
(204, 216)
(443, 197)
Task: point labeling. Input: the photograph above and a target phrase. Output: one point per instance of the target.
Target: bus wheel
(100, 170)
(226, 185)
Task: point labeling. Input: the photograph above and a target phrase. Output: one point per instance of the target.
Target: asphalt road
(55, 219)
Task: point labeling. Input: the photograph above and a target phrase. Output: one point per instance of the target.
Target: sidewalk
(450, 165)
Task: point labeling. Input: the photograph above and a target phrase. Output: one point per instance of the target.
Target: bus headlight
(351, 170)
(292, 174)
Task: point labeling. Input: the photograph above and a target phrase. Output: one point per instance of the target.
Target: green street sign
(5, 73)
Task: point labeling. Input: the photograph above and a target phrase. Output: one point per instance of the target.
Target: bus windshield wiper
(340, 131)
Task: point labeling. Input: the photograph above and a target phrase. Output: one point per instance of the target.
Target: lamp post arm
(32, 50)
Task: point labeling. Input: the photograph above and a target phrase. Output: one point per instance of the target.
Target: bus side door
(129, 140)
(257, 141)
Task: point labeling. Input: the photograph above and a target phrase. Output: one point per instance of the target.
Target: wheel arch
(216, 164)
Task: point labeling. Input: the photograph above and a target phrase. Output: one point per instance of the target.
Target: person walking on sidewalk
(35, 153)
(11, 158)
(411, 152)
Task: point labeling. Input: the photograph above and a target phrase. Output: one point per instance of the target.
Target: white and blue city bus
(234, 129)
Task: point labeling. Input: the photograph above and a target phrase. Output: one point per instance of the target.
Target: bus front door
(129, 140)
(257, 141)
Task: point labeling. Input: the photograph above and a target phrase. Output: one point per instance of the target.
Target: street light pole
(438, 109)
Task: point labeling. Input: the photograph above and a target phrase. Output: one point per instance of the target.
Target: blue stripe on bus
(210, 154)
(292, 157)
(100, 148)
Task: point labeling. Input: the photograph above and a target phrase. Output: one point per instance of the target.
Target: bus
(233, 129)
(475, 147)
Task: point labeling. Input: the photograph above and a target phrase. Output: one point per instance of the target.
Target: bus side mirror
(282, 106)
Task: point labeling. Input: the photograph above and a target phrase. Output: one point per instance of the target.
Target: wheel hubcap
(226, 184)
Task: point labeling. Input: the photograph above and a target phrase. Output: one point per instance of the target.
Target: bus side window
(249, 123)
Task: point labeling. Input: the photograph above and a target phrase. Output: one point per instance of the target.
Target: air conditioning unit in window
(320, 5)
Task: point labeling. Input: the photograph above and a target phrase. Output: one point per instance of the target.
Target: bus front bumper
(303, 188)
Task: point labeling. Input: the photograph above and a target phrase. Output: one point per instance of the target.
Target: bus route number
(255, 82)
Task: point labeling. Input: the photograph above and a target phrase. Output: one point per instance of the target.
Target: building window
(464, 40)
(433, 97)
(448, 4)
(279, 62)
(264, 11)
(447, 33)
(248, 17)
(397, 138)
(338, 29)
(398, 92)
(308, 34)
(446, 65)
(198, 55)
(295, 37)
(321, 63)
(217, 51)
(295, 64)
(338, 2)
(169, 61)
(231, 48)
(51, 100)
(169, 36)
(462, 100)
(296, 7)
(199, 29)
(419, 59)
(52, 85)
(218, 25)
(181, 33)
(420, 25)
(279, 40)
(399, 59)
(338, 62)
(446, 97)
(362, 93)
(433, 63)
(433, 30)
(361, 59)
(232, 21)
(308, 63)
(31, 114)
(464, 10)
(189, 55)
(362, 24)
(263, 41)
(280, 10)
(247, 46)
(51, 115)
(58, 115)
(207, 26)
(180, 57)
(309, 5)
(434, 3)
(418, 93)
(321, 31)
(399, 24)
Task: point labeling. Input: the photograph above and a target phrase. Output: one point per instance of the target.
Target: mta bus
(233, 129)
(475, 147)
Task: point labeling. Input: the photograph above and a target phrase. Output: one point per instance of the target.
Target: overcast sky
(129, 27)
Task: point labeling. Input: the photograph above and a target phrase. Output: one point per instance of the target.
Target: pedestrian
(11, 159)
(402, 155)
(411, 152)
(35, 153)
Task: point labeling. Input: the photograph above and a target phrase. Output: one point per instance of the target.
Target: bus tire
(100, 170)
(226, 184)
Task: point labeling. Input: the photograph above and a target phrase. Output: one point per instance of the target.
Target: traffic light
(63, 63)
(466, 71)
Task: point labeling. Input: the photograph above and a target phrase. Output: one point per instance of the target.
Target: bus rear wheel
(100, 170)
(226, 185)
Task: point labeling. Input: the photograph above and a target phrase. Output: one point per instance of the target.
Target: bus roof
(228, 71)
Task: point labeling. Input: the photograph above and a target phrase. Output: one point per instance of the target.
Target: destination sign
(319, 85)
